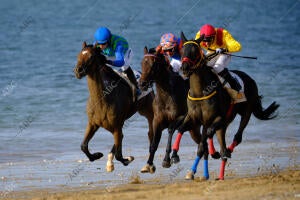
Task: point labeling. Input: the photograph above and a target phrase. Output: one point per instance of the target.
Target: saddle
(237, 97)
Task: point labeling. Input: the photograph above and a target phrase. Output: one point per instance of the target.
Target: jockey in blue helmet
(116, 49)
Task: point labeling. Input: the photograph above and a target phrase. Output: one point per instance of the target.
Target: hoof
(226, 154)
(220, 179)
(204, 178)
(216, 155)
(95, 156)
(166, 163)
(110, 167)
(148, 169)
(128, 160)
(189, 175)
(175, 159)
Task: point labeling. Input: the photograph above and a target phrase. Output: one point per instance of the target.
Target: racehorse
(209, 104)
(169, 105)
(109, 104)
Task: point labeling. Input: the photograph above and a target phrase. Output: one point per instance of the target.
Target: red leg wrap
(177, 142)
(222, 170)
(211, 147)
(231, 147)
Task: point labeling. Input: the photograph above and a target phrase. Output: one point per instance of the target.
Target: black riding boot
(132, 78)
(230, 79)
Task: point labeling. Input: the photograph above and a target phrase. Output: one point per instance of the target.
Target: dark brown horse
(169, 105)
(110, 103)
(209, 103)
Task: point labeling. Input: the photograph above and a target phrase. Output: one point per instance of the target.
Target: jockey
(117, 52)
(220, 40)
(170, 45)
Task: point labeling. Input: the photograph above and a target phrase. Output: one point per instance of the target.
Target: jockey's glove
(221, 50)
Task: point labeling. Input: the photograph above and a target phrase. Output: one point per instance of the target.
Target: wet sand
(284, 184)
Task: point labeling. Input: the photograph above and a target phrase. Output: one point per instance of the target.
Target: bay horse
(109, 104)
(214, 109)
(169, 105)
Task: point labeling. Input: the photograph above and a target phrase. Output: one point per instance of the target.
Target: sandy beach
(276, 185)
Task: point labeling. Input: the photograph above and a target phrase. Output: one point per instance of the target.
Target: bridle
(156, 61)
(198, 61)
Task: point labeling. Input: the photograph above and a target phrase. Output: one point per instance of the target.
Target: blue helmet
(102, 35)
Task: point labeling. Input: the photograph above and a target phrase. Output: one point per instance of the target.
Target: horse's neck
(163, 83)
(95, 85)
(201, 82)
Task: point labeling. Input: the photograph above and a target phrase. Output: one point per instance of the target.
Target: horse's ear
(84, 44)
(183, 38)
(95, 45)
(200, 39)
(145, 50)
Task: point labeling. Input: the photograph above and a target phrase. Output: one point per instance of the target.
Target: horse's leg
(202, 151)
(167, 160)
(212, 151)
(185, 126)
(222, 169)
(172, 127)
(118, 137)
(89, 133)
(150, 167)
(110, 164)
(238, 136)
(225, 153)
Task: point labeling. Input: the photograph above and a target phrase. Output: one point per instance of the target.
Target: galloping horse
(210, 105)
(110, 103)
(169, 105)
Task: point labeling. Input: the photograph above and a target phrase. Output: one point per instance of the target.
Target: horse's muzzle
(79, 72)
(186, 69)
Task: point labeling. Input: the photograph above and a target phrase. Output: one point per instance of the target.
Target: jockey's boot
(230, 79)
(132, 78)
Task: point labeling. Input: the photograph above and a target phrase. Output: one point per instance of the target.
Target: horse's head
(151, 66)
(88, 60)
(192, 55)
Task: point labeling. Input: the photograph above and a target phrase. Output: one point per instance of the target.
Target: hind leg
(118, 137)
(239, 135)
(89, 133)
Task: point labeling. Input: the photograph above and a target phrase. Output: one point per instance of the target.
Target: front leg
(186, 125)
(150, 167)
(89, 133)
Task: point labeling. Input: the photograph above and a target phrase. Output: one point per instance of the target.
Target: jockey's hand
(221, 50)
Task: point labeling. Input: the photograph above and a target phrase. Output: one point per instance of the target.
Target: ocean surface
(42, 104)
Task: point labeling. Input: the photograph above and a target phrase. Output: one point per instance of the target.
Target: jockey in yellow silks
(219, 40)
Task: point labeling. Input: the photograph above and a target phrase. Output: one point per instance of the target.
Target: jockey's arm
(119, 61)
(231, 44)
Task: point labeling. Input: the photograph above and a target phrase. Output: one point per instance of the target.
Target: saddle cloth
(237, 97)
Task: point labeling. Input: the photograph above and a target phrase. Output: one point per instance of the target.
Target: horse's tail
(264, 114)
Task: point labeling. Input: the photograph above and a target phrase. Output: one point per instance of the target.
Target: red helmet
(207, 30)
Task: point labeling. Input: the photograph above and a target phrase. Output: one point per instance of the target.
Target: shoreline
(283, 184)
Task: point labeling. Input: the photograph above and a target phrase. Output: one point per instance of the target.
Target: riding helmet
(102, 35)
